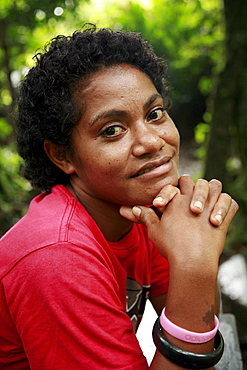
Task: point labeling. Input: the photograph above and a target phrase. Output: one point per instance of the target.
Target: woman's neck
(106, 215)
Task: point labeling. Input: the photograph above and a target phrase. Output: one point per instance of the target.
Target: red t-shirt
(63, 289)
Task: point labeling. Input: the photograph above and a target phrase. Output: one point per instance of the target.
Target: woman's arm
(159, 302)
(192, 245)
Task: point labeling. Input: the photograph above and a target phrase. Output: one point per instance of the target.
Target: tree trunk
(228, 136)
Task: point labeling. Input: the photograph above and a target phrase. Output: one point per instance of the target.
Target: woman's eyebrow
(107, 114)
(151, 100)
(122, 113)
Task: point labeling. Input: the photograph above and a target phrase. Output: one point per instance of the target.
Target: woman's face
(125, 147)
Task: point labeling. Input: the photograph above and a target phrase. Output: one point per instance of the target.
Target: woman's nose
(147, 140)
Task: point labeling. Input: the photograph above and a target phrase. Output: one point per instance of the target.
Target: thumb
(126, 212)
(141, 214)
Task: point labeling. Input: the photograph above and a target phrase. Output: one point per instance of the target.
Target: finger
(186, 184)
(141, 214)
(126, 212)
(215, 188)
(200, 196)
(221, 209)
(165, 196)
(145, 215)
(230, 214)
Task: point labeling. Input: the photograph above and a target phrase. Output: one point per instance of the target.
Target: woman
(94, 133)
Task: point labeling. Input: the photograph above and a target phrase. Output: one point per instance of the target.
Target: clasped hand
(191, 217)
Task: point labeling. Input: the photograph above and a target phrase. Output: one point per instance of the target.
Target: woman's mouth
(144, 171)
(162, 167)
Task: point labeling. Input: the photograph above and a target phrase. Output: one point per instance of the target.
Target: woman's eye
(112, 131)
(156, 114)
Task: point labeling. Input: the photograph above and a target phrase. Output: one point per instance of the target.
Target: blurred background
(204, 43)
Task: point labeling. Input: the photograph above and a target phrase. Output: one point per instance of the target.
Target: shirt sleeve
(64, 302)
(159, 275)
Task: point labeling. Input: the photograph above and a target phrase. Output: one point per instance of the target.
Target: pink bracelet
(185, 335)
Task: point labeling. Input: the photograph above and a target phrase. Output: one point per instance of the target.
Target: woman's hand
(177, 230)
(199, 198)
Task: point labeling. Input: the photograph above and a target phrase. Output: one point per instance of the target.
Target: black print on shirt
(136, 296)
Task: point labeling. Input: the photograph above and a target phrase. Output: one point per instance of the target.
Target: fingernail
(136, 211)
(198, 205)
(218, 218)
(158, 200)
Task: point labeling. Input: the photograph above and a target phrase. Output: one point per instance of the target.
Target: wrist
(194, 266)
(191, 299)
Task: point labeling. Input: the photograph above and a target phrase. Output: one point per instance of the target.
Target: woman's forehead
(116, 90)
(117, 83)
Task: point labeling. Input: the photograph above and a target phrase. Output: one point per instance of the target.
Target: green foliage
(237, 235)
(14, 190)
(201, 131)
(25, 26)
(5, 129)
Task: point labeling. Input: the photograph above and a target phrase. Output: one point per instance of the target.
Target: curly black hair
(47, 108)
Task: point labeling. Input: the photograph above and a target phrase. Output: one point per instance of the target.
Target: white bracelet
(185, 335)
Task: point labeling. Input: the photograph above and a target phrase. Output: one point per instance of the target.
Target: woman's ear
(58, 157)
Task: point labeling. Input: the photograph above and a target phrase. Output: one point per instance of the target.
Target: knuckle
(235, 205)
(167, 188)
(168, 192)
(216, 183)
(149, 217)
(226, 196)
(201, 182)
(201, 189)
(225, 200)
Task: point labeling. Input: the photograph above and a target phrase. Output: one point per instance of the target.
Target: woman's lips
(153, 169)
(145, 171)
